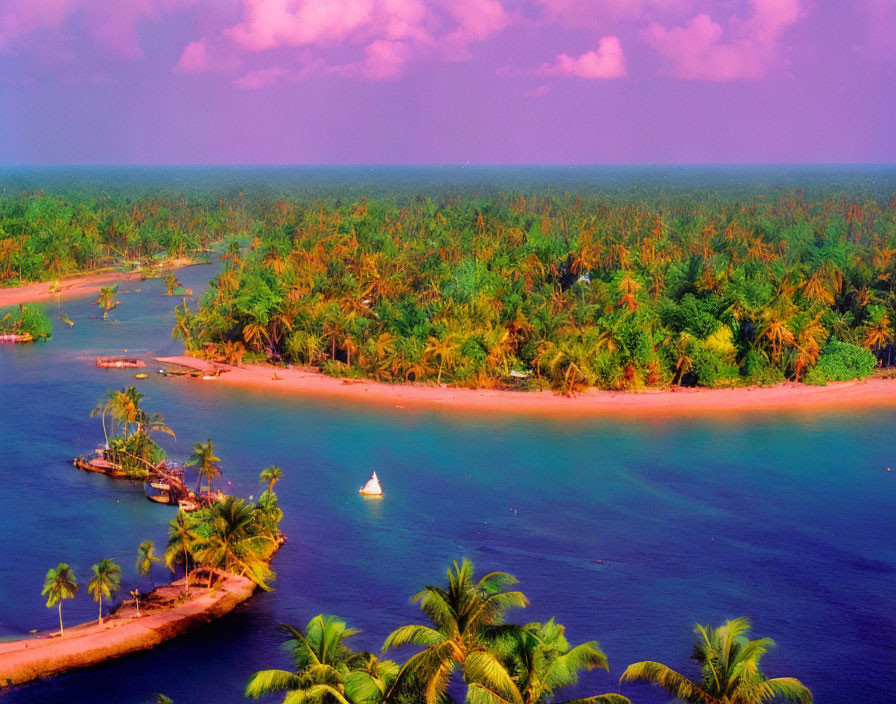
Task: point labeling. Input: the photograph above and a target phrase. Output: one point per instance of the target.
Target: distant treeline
(616, 277)
(44, 237)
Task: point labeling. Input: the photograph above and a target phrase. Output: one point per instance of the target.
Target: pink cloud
(387, 34)
(204, 56)
(384, 60)
(259, 78)
(577, 14)
(702, 50)
(273, 23)
(194, 57)
(477, 20)
(607, 62)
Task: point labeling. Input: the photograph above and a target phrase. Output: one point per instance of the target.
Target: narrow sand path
(29, 659)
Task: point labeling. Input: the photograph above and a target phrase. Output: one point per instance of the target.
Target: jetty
(163, 615)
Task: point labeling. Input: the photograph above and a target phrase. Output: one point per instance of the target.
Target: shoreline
(79, 285)
(34, 658)
(683, 401)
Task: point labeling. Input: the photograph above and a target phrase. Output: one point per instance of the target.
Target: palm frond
(656, 673)
(600, 699)
(413, 635)
(791, 689)
(483, 668)
(267, 681)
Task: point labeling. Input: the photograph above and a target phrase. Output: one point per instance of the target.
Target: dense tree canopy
(563, 291)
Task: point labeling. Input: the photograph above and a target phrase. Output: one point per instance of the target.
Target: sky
(447, 81)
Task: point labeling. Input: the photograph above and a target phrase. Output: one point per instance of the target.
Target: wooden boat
(141, 376)
(119, 362)
(372, 487)
(100, 465)
(14, 338)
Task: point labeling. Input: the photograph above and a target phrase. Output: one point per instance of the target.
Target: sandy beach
(29, 659)
(684, 401)
(76, 286)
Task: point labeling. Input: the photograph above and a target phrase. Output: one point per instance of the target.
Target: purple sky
(434, 81)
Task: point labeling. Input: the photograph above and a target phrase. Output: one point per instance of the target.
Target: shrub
(841, 361)
(713, 371)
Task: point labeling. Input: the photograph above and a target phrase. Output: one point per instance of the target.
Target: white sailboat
(372, 487)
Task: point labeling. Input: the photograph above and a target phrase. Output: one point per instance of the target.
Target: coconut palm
(445, 349)
(326, 670)
(125, 408)
(466, 617)
(236, 541)
(270, 475)
(118, 405)
(106, 580)
(182, 539)
(59, 584)
(146, 557)
(730, 670)
(543, 663)
(203, 458)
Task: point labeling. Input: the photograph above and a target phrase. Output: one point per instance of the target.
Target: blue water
(628, 531)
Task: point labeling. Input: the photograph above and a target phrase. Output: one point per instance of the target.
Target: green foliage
(730, 666)
(231, 534)
(841, 361)
(128, 429)
(25, 320)
(758, 372)
(620, 287)
(712, 370)
(617, 292)
(44, 237)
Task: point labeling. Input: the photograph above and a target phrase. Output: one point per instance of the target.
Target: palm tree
(444, 349)
(182, 326)
(465, 619)
(117, 404)
(146, 557)
(182, 539)
(729, 663)
(106, 580)
(271, 475)
(236, 541)
(59, 584)
(544, 663)
(203, 458)
(326, 670)
(107, 300)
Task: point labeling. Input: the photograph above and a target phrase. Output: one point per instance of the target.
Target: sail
(372, 487)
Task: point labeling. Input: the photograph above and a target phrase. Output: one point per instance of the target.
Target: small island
(24, 323)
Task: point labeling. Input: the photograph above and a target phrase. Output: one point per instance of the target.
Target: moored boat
(119, 362)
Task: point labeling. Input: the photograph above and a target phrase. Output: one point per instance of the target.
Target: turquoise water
(628, 531)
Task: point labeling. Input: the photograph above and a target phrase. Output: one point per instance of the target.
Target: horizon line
(450, 164)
